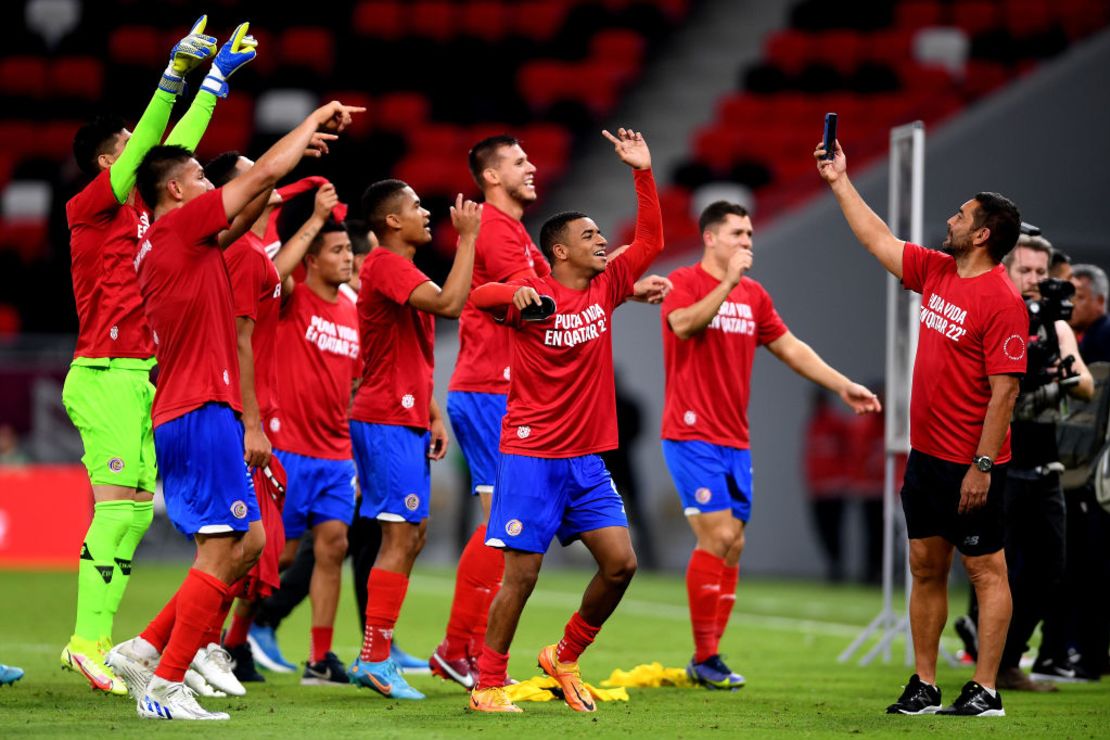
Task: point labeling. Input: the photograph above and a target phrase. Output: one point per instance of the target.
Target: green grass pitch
(784, 637)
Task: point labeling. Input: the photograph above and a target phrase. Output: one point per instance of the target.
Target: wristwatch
(983, 463)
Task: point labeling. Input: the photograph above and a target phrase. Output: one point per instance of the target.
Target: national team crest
(412, 502)
(114, 333)
(239, 509)
(227, 378)
(703, 495)
(275, 425)
(115, 464)
(524, 432)
(505, 373)
(513, 527)
(407, 401)
(690, 418)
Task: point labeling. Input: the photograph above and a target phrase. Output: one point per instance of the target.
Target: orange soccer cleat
(575, 693)
(492, 699)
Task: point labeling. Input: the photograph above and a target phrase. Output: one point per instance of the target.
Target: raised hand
(238, 50)
(318, 144)
(466, 216)
(186, 54)
(334, 117)
(631, 148)
(738, 264)
(830, 169)
(326, 200)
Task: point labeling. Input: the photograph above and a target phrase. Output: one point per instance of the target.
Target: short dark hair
(156, 168)
(484, 153)
(1059, 258)
(999, 214)
(298, 210)
(359, 231)
(554, 230)
(221, 169)
(377, 202)
(716, 212)
(96, 137)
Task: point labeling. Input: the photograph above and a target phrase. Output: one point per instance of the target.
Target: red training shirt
(397, 343)
(256, 295)
(319, 360)
(503, 250)
(971, 328)
(709, 375)
(104, 237)
(187, 295)
(562, 401)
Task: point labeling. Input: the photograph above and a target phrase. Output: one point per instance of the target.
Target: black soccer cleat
(975, 701)
(965, 627)
(918, 698)
(243, 664)
(1060, 671)
(327, 672)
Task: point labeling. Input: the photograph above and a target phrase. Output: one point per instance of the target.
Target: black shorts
(931, 502)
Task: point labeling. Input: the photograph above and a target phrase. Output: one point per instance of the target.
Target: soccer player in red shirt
(713, 321)
(396, 424)
(970, 356)
(107, 392)
(197, 432)
(561, 413)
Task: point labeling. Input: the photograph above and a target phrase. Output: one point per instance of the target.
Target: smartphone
(830, 135)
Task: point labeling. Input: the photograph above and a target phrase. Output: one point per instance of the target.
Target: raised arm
(691, 320)
(245, 219)
(449, 300)
(869, 229)
(648, 240)
(802, 359)
(293, 251)
(185, 55)
(283, 156)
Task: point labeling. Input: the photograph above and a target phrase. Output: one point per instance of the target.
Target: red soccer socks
(577, 636)
(476, 583)
(199, 601)
(727, 600)
(703, 589)
(385, 592)
(321, 643)
(493, 668)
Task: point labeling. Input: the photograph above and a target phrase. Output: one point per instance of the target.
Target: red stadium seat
(488, 20)
(312, 48)
(10, 322)
(788, 50)
(891, 47)
(618, 45)
(53, 140)
(433, 19)
(976, 16)
(383, 19)
(27, 237)
(919, 14)
(542, 82)
(81, 78)
(983, 77)
(920, 78)
(1024, 18)
(1080, 18)
(439, 140)
(402, 111)
(539, 20)
(137, 45)
(841, 50)
(230, 129)
(23, 77)
(435, 175)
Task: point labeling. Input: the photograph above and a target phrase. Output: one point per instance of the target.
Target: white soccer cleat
(200, 687)
(133, 661)
(165, 700)
(214, 664)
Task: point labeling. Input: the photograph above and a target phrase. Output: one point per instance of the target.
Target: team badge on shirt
(227, 378)
(412, 502)
(513, 527)
(239, 509)
(1014, 347)
(407, 401)
(115, 464)
(524, 432)
(690, 418)
(275, 425)
(114, 333)
(505, 374)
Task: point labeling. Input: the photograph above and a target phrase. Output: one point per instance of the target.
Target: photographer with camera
(1034, 500)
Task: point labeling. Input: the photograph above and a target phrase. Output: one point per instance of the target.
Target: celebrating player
(561, 413)
(965, 380)
(396, 424)
(107, 391)
(197, 432)
(713, 321)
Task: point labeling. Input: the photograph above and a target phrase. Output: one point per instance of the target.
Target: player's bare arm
(242, 223)
(448, 301)
(438, 429)
(976, 484)
(256, 446)
(320, 127)
(293, 251)
(691, 320)
(869, 229)
(647, 243)
(802, 359)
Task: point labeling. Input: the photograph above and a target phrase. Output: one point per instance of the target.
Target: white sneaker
(165, 700)
(200, 687)
(133, 661)
(214, 664)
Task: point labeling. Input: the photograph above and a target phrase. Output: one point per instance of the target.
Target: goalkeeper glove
(239, 50)
(186, 55)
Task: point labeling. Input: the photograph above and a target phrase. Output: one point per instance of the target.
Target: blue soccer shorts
(476, 421)
(206, 485)
(535, 499)
(317, 490)
(710, 477)
(394, 471)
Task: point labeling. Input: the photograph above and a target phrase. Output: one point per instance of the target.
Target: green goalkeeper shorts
(109, 402)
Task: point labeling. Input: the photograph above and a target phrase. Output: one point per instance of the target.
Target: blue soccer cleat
(9, 674)
(264, 648)
(406, 663)
(382, 677)
(714, 674)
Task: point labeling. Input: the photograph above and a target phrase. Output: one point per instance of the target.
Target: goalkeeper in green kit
(107, 391)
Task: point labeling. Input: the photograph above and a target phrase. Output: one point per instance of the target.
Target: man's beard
(953, 248)
(522, 196)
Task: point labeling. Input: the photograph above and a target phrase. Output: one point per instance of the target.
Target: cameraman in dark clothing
(1034, 501)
